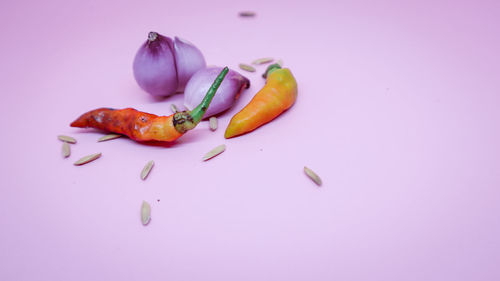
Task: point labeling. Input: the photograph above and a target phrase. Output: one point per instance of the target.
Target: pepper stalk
(270, 69)
(187, 120)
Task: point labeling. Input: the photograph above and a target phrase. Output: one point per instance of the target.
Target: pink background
(398, 112)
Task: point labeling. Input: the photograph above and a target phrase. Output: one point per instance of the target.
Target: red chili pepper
(141, 126)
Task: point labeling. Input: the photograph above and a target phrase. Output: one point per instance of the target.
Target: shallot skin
(163, 66)
(188, 59)
(227, 94)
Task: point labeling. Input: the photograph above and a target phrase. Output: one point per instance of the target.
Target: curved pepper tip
(234, 129)
(228, 134)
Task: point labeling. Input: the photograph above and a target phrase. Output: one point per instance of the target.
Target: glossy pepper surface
(141, 126)
(278, 94)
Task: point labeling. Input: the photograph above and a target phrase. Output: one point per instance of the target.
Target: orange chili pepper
(279, 94)
(141, 126)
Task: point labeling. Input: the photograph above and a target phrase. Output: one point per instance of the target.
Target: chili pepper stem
(198, 112)
(187, 120)
(270, 69)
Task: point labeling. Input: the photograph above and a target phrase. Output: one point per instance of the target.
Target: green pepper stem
(198, 112)
(270, 69)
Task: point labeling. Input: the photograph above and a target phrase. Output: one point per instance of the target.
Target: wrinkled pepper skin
(278, 94)
(137, 125)
(142, 126)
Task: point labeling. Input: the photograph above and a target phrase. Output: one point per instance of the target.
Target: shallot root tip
(152, 36)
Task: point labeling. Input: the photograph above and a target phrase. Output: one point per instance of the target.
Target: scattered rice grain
(214, 152)
(87, 159)
(109, 137)
(213, 123)
(66, 139)
(145, 212)
(313, 176)
(247, 67)
(174, 108)
(66, 150)
(247, 14)
(262, 61)
(147, 169)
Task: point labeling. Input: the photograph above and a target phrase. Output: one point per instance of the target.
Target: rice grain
(313, 176)
(262, 61)
(67, 139)
(145, 212)
(174, 108)
(87, 159)
(147, 169)
(247, 14)
(214, 152)
(66, 150)
(213, 123)
(247, 67)
(109, 137)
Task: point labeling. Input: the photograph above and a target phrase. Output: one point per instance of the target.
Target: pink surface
(397, 112)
